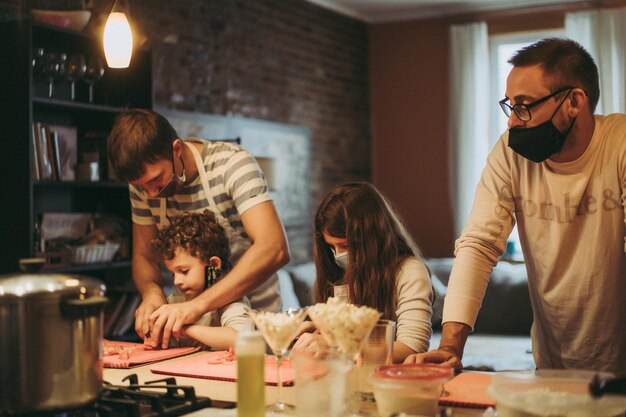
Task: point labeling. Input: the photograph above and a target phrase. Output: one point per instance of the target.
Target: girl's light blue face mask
(341, 259)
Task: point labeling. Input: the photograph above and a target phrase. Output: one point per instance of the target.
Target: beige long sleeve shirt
(570, 219)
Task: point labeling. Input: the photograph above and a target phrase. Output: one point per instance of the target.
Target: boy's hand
(169, 319)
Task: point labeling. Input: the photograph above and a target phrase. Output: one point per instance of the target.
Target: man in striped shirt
(169, 176)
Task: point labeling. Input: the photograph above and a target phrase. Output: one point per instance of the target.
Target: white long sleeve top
(570, 219)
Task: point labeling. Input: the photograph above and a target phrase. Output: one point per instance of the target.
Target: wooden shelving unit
(24, 101)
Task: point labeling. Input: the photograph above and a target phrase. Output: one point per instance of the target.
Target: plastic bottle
(250, 349)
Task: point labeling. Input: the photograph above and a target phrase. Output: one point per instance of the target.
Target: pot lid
(25, 285)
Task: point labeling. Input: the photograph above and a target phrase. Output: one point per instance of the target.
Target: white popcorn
(343, 325)
(279, 329)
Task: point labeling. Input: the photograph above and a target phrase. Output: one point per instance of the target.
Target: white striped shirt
(236, 183)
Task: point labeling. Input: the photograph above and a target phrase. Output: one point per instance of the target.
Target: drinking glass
(376, 351)
(94, 71)
(76, 68)
(279, 330)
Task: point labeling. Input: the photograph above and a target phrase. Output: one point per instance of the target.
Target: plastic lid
(414, 372)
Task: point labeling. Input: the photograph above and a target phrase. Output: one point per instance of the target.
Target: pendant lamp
(118, 38)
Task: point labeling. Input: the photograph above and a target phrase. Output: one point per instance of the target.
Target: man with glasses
(560, 173)
(169, 176)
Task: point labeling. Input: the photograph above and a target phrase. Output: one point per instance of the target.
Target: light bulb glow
(118, 41)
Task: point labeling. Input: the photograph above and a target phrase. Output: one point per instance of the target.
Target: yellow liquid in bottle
(250, 385)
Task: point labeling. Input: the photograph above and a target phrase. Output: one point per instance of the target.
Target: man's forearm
(453, 337)
(146, 277)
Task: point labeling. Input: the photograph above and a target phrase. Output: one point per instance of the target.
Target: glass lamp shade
(118, 41)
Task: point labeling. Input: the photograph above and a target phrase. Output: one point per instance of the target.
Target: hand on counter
(439, 356)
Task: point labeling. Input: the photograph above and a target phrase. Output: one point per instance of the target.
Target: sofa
(500, 340)
(506, 307)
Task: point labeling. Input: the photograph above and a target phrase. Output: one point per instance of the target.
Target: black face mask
(540, 142)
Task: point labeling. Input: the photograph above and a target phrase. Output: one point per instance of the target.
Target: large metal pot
(50, 341)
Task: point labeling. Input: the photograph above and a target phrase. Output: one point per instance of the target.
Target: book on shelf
(54, 152)
(41, 151)
(67, 145)
(48, 139)
(35, 154)
(54, 142)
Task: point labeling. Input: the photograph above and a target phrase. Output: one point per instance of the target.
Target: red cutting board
(138, 354)
(203, 365)
(468, 389)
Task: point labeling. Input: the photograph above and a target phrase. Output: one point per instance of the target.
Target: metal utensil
(598, 386)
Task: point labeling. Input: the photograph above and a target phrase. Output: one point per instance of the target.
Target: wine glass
(346, 328)
(76, 67)
(53, 67)
(38, 61)
(279, 330)
(94, 71)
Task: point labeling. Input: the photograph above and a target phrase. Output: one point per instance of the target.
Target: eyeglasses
(522, 111)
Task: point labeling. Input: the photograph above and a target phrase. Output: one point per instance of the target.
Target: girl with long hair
(364, 254)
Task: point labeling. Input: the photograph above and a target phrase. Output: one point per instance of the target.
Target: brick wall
(279, 60)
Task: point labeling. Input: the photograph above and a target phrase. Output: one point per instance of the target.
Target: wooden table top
(224, 393)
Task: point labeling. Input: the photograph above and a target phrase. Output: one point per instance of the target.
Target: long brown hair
(377, 244)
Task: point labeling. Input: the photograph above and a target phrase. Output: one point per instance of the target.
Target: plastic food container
(411, 389)
(551, 393)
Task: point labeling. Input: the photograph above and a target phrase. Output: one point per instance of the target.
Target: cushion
(303, 278)
(287, 293)
(506, 307)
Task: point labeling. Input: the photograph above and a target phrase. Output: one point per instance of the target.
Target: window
(501, 49)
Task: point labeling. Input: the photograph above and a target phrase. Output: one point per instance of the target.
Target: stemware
(53, 67)
(279, 330)
(38, 61)
(346, 328)
(94, 71)
(76, 67)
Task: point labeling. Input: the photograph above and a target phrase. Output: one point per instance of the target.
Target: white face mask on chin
(341, 259)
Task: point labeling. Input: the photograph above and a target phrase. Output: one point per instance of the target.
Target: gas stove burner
(159, 398)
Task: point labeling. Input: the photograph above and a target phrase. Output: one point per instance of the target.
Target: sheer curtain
(603, 34)
(469, 123)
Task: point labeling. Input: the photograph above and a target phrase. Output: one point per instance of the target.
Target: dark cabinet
(26, 104)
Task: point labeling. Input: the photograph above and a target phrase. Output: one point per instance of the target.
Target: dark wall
(278, 60)
(409, 72)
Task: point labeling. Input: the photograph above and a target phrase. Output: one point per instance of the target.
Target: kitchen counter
(224, 393)
(216, 390)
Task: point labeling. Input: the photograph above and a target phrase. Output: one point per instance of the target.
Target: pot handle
(75, 308)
